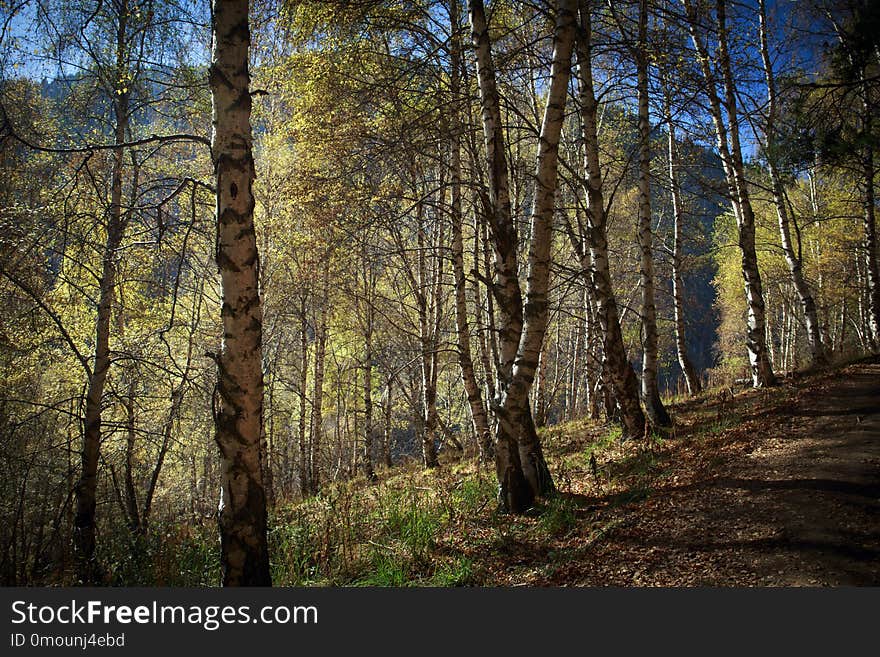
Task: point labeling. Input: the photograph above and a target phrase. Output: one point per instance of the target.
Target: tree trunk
(388, 435)
(734, 170)
(267, 440)
(304, 483)
(592, 366)
(540, 414)
(650, 393)
(479, 417)
(88, 570)
(369, 471)
(428, 352)
(238, 411)
(317, 423)
(520, 465)
(514, 492)
(690, 375)
(515, 414)
(792, 259)
(870, 228)
(491, 356)
(502, 229)
(616, 364)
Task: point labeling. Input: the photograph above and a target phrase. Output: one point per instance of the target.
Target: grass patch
(558, 517)
(720, 425)
(458, 572)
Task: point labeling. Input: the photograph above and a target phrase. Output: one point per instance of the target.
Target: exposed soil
(785, 491)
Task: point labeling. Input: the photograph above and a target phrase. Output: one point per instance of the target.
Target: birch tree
(650, 393)
(520, 466)
(692, 380)
(238, 400)
(771, 149)
(729, 146)
(479, 416)
(620, 372)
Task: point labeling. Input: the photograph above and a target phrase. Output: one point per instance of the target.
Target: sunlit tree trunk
(515, 412)
(617, 367)
(540, 414)
(489, 357)
(650, 393)
(514, 492)
(731, 158)
(692, 380)
(522, 332)
(870, 225)
(479, 416)
(238, 412)
(388, 433)
(792, 258)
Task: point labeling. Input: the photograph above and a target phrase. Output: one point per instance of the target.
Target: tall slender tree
(771, 150)
(238, 400)
(692, 380)
(479, 416)
(520, 465)
(725, 117)
(650, 392)
(615, 361)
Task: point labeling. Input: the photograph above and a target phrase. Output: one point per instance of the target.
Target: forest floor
(776, 487)
(771, 487)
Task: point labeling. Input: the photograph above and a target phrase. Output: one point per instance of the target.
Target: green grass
(558, 517)
(418, 528)
(458, 572)
(720, 425)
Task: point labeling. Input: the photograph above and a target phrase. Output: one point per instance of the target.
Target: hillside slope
(778, 487)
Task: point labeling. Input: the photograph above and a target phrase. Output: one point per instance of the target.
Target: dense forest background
(701, 214)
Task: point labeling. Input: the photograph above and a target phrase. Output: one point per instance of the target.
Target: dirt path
(796, 502)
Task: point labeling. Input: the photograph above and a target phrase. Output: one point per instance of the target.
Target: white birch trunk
(479, 417)
(731, 158)
(616, 365)
(238, 413)
(792, 259)
(650, 393)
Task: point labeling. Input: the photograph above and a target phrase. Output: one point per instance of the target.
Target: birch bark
(479, 416)
(238, 413)
(690, 375)
(792, 259)
(521, 468)
(615, 362)
(728, 139)
(650, 393)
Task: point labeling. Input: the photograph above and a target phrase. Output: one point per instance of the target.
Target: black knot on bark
(233, 190)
